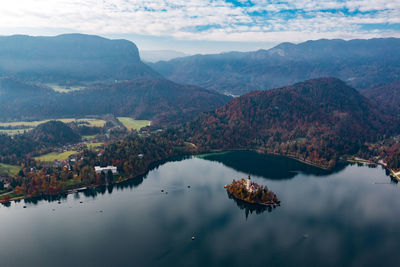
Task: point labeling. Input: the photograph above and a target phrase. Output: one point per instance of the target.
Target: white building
(99, 169)
(248, 183)
(250, 186)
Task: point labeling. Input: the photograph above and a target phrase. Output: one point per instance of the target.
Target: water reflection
(349, 218)
(268, 166)
(250, 208)
(93, 192)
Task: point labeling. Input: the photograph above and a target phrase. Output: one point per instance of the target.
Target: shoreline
(72, 190)
(259, 151)
(266, 152)
(395, 175)
(254, 196)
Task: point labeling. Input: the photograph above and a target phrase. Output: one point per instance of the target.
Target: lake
(347, 217)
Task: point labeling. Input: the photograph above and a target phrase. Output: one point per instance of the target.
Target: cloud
(213, 20)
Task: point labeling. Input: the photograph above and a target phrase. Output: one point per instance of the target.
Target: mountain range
(123, 85)
(70, 59)
(360, 63)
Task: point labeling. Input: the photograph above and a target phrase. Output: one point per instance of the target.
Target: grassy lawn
(55, 156)
(4, 191)
(93, 122)
(132, 124)
(70, 184)
(10, 170)
(95, 145)
(88, 137)
(22, 123)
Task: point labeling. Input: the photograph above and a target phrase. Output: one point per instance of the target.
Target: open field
(10, 170)
(15, 131)
(55, 156)
(92, 122)
(132, 124)
(22, 123)
(88, 137)
(95, 145)
(21, 126)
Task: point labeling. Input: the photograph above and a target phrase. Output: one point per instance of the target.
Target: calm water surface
(349, 217)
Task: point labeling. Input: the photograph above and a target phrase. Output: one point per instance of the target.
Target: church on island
(251, 186)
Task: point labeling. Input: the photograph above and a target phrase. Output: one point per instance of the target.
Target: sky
(204, 26)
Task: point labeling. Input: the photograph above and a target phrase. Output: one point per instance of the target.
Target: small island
(250, 192)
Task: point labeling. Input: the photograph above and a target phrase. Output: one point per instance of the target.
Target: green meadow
(132, 124)
(55, 156)
(10, 170)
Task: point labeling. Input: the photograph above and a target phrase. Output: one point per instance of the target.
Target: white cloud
(291, 20)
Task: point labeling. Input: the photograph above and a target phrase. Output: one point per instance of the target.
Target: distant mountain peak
(70, 57)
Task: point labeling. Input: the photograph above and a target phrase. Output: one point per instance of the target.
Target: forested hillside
(159, 100)
(386, 97)
(16, 149)
(317, 121)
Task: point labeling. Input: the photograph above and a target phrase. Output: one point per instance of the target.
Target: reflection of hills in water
(268, 166)
(101, 190)
(250, 208)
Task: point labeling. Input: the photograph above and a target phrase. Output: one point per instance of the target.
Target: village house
(5, 181)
